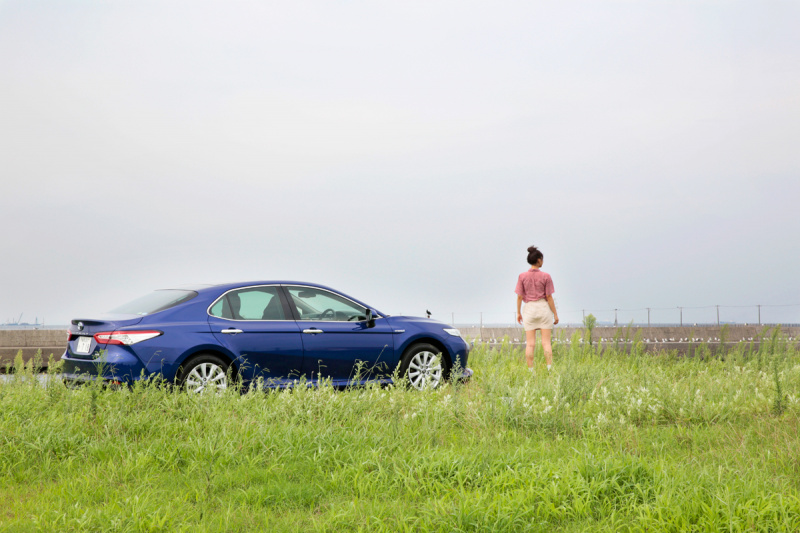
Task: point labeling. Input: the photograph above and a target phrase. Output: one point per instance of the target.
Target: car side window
(317, 304)
(252, 303)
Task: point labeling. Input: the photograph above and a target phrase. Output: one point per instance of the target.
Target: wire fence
(707, 315)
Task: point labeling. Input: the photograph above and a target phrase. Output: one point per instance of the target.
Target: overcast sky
(406, 153)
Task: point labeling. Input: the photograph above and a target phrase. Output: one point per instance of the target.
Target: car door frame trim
(286, 286)
(284, 304)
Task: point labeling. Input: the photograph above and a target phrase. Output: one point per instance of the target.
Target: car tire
(204, 373)
(424, 366)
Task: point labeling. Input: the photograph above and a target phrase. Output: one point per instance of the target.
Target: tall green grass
(607, 441)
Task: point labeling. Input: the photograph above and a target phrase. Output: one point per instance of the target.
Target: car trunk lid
(81, 343)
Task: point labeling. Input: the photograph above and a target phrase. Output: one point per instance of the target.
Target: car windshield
(154, 302)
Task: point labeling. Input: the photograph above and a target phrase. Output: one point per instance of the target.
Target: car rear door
(255, 324)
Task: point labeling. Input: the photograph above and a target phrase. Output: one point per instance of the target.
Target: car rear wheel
(424, 366)
(204, 373)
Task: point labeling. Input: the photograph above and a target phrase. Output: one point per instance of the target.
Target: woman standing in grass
(535, 288)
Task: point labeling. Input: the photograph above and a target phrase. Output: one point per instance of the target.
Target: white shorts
(537, 315)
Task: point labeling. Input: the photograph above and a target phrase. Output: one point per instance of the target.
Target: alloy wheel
(206, 377)
(425, 370)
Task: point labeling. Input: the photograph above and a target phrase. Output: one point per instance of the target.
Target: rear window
(154, 302)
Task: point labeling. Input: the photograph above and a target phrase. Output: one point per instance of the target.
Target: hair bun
(534, 255)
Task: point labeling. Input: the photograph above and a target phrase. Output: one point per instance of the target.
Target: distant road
(42, 378)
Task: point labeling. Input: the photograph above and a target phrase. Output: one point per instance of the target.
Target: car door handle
(231, 331)
(313, 330)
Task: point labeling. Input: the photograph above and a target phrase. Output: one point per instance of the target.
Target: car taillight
(125, 337)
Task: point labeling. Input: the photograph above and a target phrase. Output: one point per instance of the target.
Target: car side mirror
(370, 318)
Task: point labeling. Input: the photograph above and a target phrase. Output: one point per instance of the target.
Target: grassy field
(612, 442)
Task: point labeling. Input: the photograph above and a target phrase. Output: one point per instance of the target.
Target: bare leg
(548, 349)
(530, 347)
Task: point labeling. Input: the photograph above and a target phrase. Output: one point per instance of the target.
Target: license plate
(84, 343)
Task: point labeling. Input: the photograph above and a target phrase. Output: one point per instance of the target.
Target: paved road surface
(43, 378)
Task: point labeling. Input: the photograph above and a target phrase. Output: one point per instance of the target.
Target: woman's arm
(552, 304)
(519, 312)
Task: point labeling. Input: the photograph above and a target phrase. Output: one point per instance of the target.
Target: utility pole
(718, 314)
(615, 318)
(759, 314)
(584, 315)
(648, 317)
(681, 308)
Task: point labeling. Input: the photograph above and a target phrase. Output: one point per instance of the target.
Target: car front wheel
(204, 373)
(424, 366)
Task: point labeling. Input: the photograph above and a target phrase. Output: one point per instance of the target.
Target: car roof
(223, 287)
(235, 284)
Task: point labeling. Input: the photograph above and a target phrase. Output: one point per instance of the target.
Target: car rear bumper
(118, 366)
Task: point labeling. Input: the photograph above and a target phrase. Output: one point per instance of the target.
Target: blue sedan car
(272, 331)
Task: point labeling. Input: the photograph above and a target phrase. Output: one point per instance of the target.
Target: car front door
(254, 324)
(338, 341)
